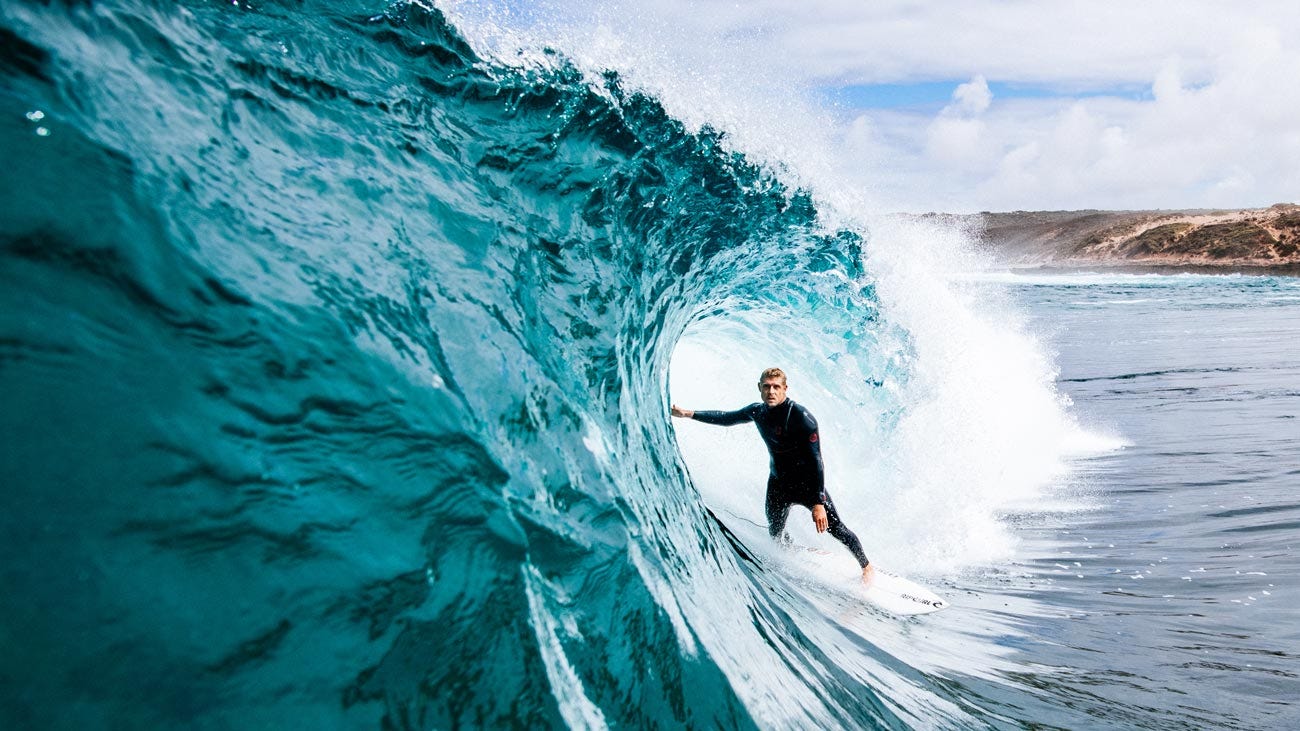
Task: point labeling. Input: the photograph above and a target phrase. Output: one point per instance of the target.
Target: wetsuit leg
(842, 533)
(778, 508)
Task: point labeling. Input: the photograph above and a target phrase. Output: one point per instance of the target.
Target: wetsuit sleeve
(808, 426)
(726, 418)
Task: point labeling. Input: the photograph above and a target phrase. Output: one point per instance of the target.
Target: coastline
(1255, 241)
(1121, 267)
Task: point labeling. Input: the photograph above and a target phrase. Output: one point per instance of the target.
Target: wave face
(337, 365)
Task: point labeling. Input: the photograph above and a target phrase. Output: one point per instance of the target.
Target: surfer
(796, 476)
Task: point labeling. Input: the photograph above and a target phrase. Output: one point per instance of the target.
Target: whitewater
(338, 340)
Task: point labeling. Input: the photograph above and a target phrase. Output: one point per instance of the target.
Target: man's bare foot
(868, 575)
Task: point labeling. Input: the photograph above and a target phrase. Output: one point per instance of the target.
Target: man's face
(772, 390)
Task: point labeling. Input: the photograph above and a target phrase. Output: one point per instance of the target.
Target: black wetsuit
(796, 475)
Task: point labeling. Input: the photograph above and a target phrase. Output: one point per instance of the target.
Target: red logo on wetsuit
(813, 437)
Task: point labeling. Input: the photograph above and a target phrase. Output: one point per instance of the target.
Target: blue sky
(933, 96)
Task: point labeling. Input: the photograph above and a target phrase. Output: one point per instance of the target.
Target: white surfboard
(897, 595)
(888, 591)
(891, 592)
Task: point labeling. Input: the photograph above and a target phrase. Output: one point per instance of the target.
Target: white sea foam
(566, 686)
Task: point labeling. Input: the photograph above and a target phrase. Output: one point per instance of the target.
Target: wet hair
(773, 373)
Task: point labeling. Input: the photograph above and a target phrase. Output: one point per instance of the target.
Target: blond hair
(773, 373)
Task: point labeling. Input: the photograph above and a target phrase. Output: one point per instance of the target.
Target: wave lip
(379, 329)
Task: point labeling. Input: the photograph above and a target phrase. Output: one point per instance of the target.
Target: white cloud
(956, 141)
(956, 136)
(970, 99)
(1228, 140)
(1212, 122)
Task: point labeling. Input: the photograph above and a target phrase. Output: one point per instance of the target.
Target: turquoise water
(337, 356)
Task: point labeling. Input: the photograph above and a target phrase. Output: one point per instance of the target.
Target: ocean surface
(338, 340)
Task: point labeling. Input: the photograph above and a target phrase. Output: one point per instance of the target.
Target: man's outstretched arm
(719, 418)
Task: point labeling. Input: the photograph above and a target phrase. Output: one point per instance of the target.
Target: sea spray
(951, 411)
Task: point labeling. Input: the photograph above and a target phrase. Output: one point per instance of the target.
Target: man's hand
(819, 518)
(682, 413)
